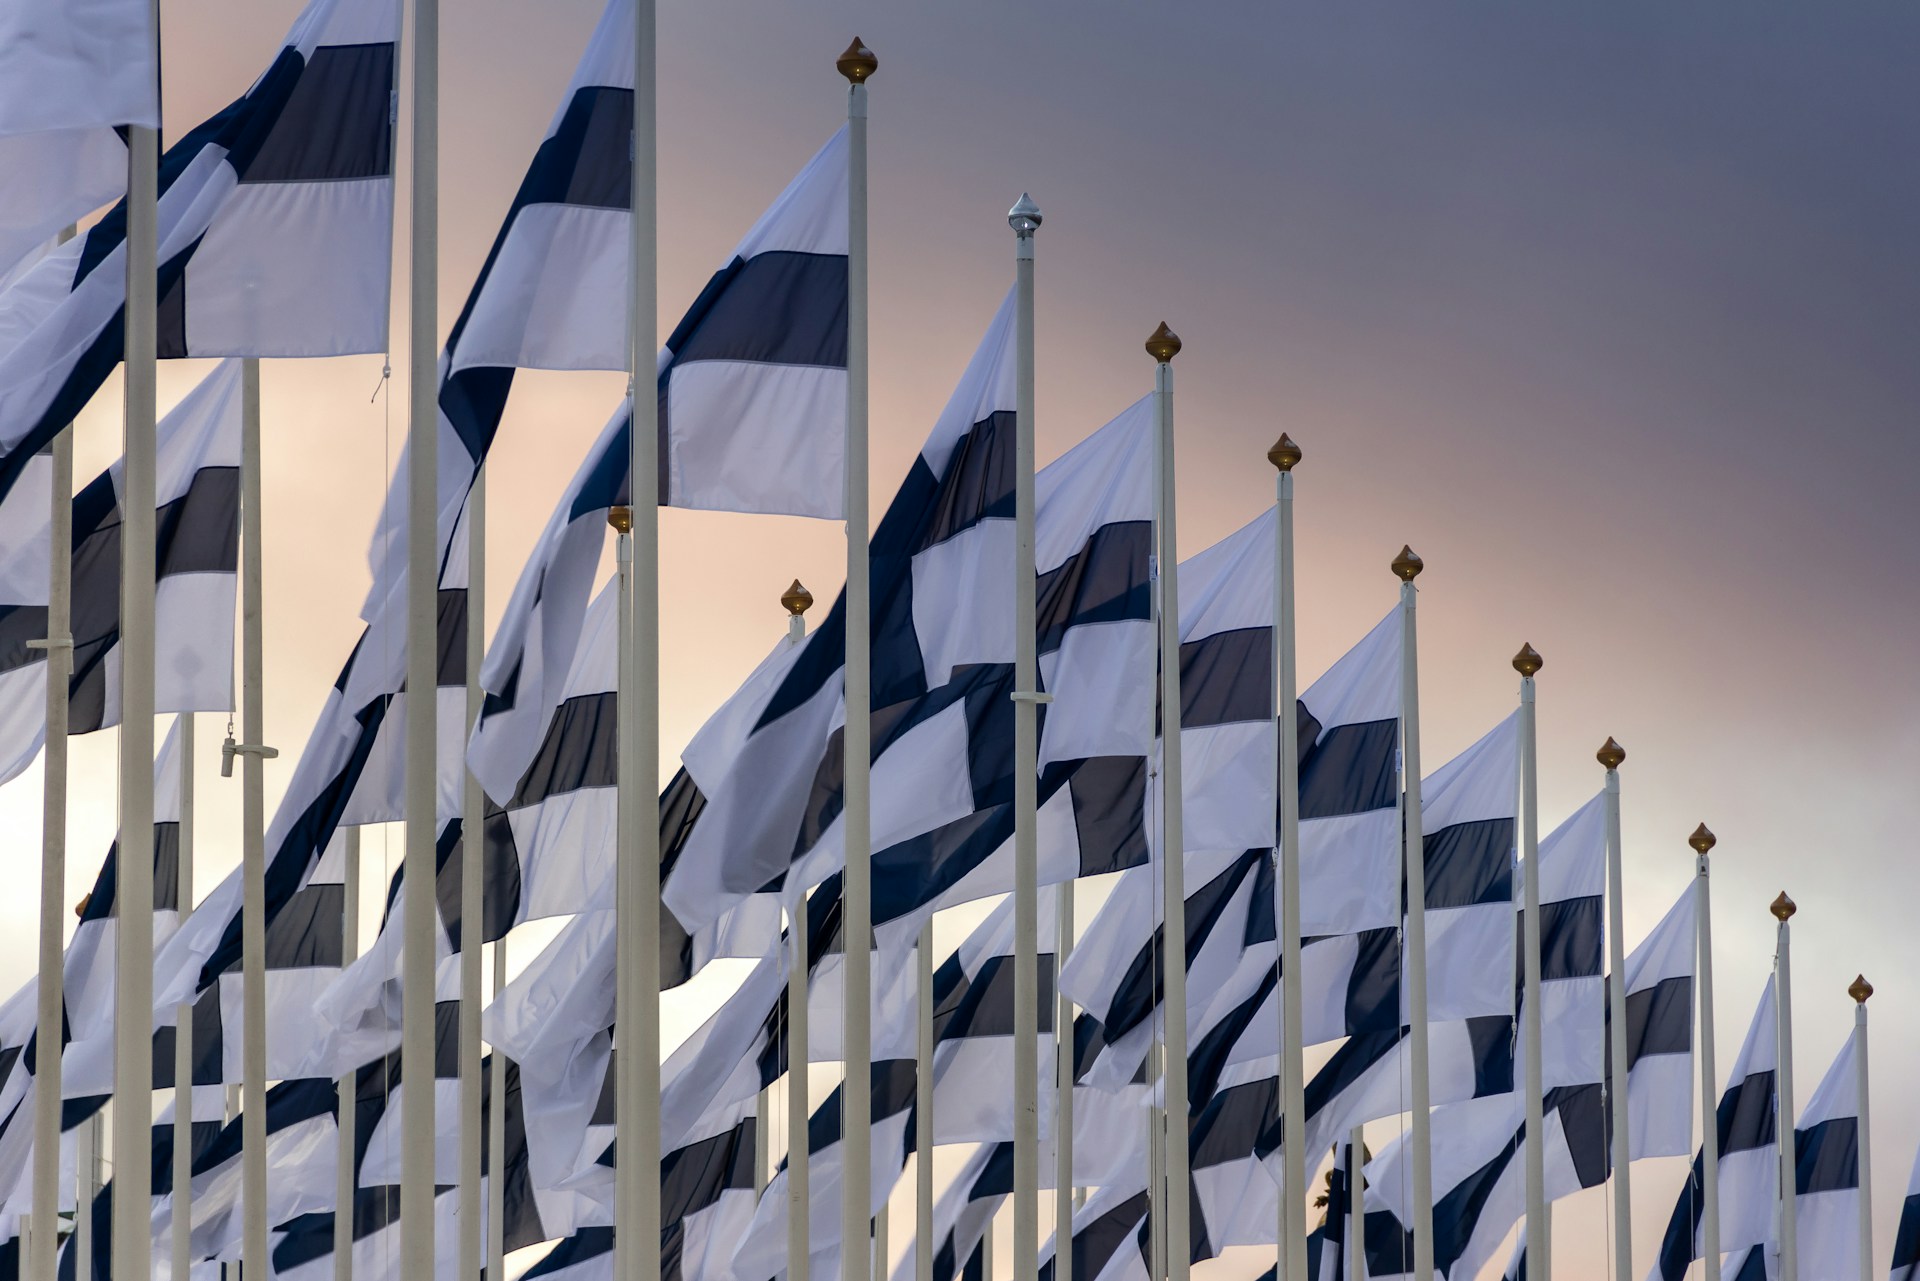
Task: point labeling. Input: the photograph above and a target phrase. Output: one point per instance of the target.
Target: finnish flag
(963, 1216)
(1659, 987)
(1109, 1238)
(1826, 1152)
(274, 237)
(1906, 1238)
(197, 538)
(1745, 1122)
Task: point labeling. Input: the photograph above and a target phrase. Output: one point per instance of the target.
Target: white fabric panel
(1480, 783)
(751, 437)
(556, 297)
(1660, 1106)
(566, 846)
(1364, 685)
(1573, 1038)
(1827, 1225)
(381, 1163)
(301, 1159)
(23, 718)
(1749, 1183)
(987, 387)
(896, 987)
(193, 643)
(1107, 480)
(54, 179)
(1470, 963)
(962, 605)
(810, 216)
(1229, 586)
(73, 63)
(1350, 873)
(326, 245)
(1573, 857)
(1092, 713)
(1226, 774)
(763, 1249)
(1669, 949)
(26, 536)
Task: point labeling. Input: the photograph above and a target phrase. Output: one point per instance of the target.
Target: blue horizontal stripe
(1227, 678)
(1570, 939)
(776, 308)
(1660, 1019)
(1470, 864)
(334, 125)
(1746, 1116)
(1349, 769)
(1827, 1156)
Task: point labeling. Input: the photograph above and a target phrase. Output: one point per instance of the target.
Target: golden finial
(797, 599)
(1164, 345)
(1611, 754)
(1407, 566)
(1528, 661)
(80, 908)
(1860, 989)
(1702, 840)
(1783, 908)
(1285, 455)
(857, 63)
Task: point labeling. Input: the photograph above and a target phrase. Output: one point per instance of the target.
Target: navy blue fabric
(892, 1084)
(985, 1008)
(1571, 931)
(1469, 864)
(335, 125)
(1104, 582)
(776, 308)
(1660, 1019)
(1746, 1117)
(1827, 1156)
(1373, 987)
(1492, 1039)
(1348, 769)
(1683, 1226)
(1140, 989)
(1906, 1240)
(1095, 1244)
(582, 1247)
(1227, 678)
(588, 161)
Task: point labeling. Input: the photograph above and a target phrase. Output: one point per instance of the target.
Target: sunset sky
(1610, 311)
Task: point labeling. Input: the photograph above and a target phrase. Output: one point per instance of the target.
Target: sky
(1609, 311)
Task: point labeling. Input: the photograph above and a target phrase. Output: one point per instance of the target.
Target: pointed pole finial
(1528, 661)
(797, 599)
(1164, 345)
(1407, 566)
(1024, 217)
(1783, 908)
(1702, 840)
(1860, 989)
(1611, 754)
(857, 63)
(620, 517)
(1285, 455)
(80, 908)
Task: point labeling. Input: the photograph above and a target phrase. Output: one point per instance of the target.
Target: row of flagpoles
(433, 523)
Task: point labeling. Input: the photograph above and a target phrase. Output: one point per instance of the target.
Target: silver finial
(1024, 217)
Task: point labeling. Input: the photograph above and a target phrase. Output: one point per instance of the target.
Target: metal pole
(181, 1226)
(1356, 1205)
(253, 820)
(799, 1101)
(423, 547)
(857, 64)
(1063, 1089)
(344, 1182)
(1702, 842)
(1291, 1260)
(1860, 990)
(43, 1244)
(1539, 1231)
(497, 1141)
(1407, 567)
(86, 1162)
(472, 904)
(133, 947)
(881, 1246)
(1783, 910)
(923, 1112)
(1024, 217)
(1611, 755)
(1163, 346)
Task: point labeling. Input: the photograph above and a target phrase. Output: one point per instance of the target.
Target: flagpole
(1356, 1204)
(1860, 990)
(497, 1140)
(181, 1225)
(1702, 842)
(1783, 909)
(1292, 1256)
(799, 1102)
(472, 901)
(923, 1111)
(1025, 220)
(857, 64)
(417, 1251)
(1539, 1231)
(133, 943)
(1063, 1117)
(1611, 756)
(344, 1182)
(1163, 346)
(1407, 567)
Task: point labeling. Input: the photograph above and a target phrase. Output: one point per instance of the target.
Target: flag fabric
(197, 524)
(963, 1215)
(1826, 1152)
(1906, 1237)
(1659, 987)
(1108, 1240)
(1745, 1122)
(1516, 1269)
(274, 237)
(54, 179)
(1468, 808)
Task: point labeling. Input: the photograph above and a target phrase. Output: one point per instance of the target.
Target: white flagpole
(797, 601)
(1291, 1261)
(1407, 567)
(1860, 990)
(181, 1225)
(1703, 842)
(1783, 909)
(857, 64)
(472, 903)
(133, 946)
(86, 1159)
(923, 1111)
(1025, 219)
(1063, 1088)
(1611, 756)
(497, 1141)
(1163, 346)
(344, 1182)
(417, 1252)
(1539, 1231)
(1356, 1205)
(43, 1243)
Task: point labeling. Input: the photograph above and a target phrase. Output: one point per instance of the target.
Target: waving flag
(1906, 1238)
(1660, 1035)
(1826, 1151)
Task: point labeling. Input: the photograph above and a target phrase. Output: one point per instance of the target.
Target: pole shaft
(1617, 1038)
(181, 1234)
(1173, 839)
(1292, 1261)
(253, 818)
(1865, 1146)
(133, 1005)
(1709, 1133)
(86, 1182)
(497, 1141)
(1539, 1230)
(417, 1250)
(799, 1100)
(344, 1182)
(1026, 768)
(857, 739)
(1415, 863)
(1063, 1089)
(1784, 1119)
(1356, 1205)
(923, 1242)
(472, 903)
